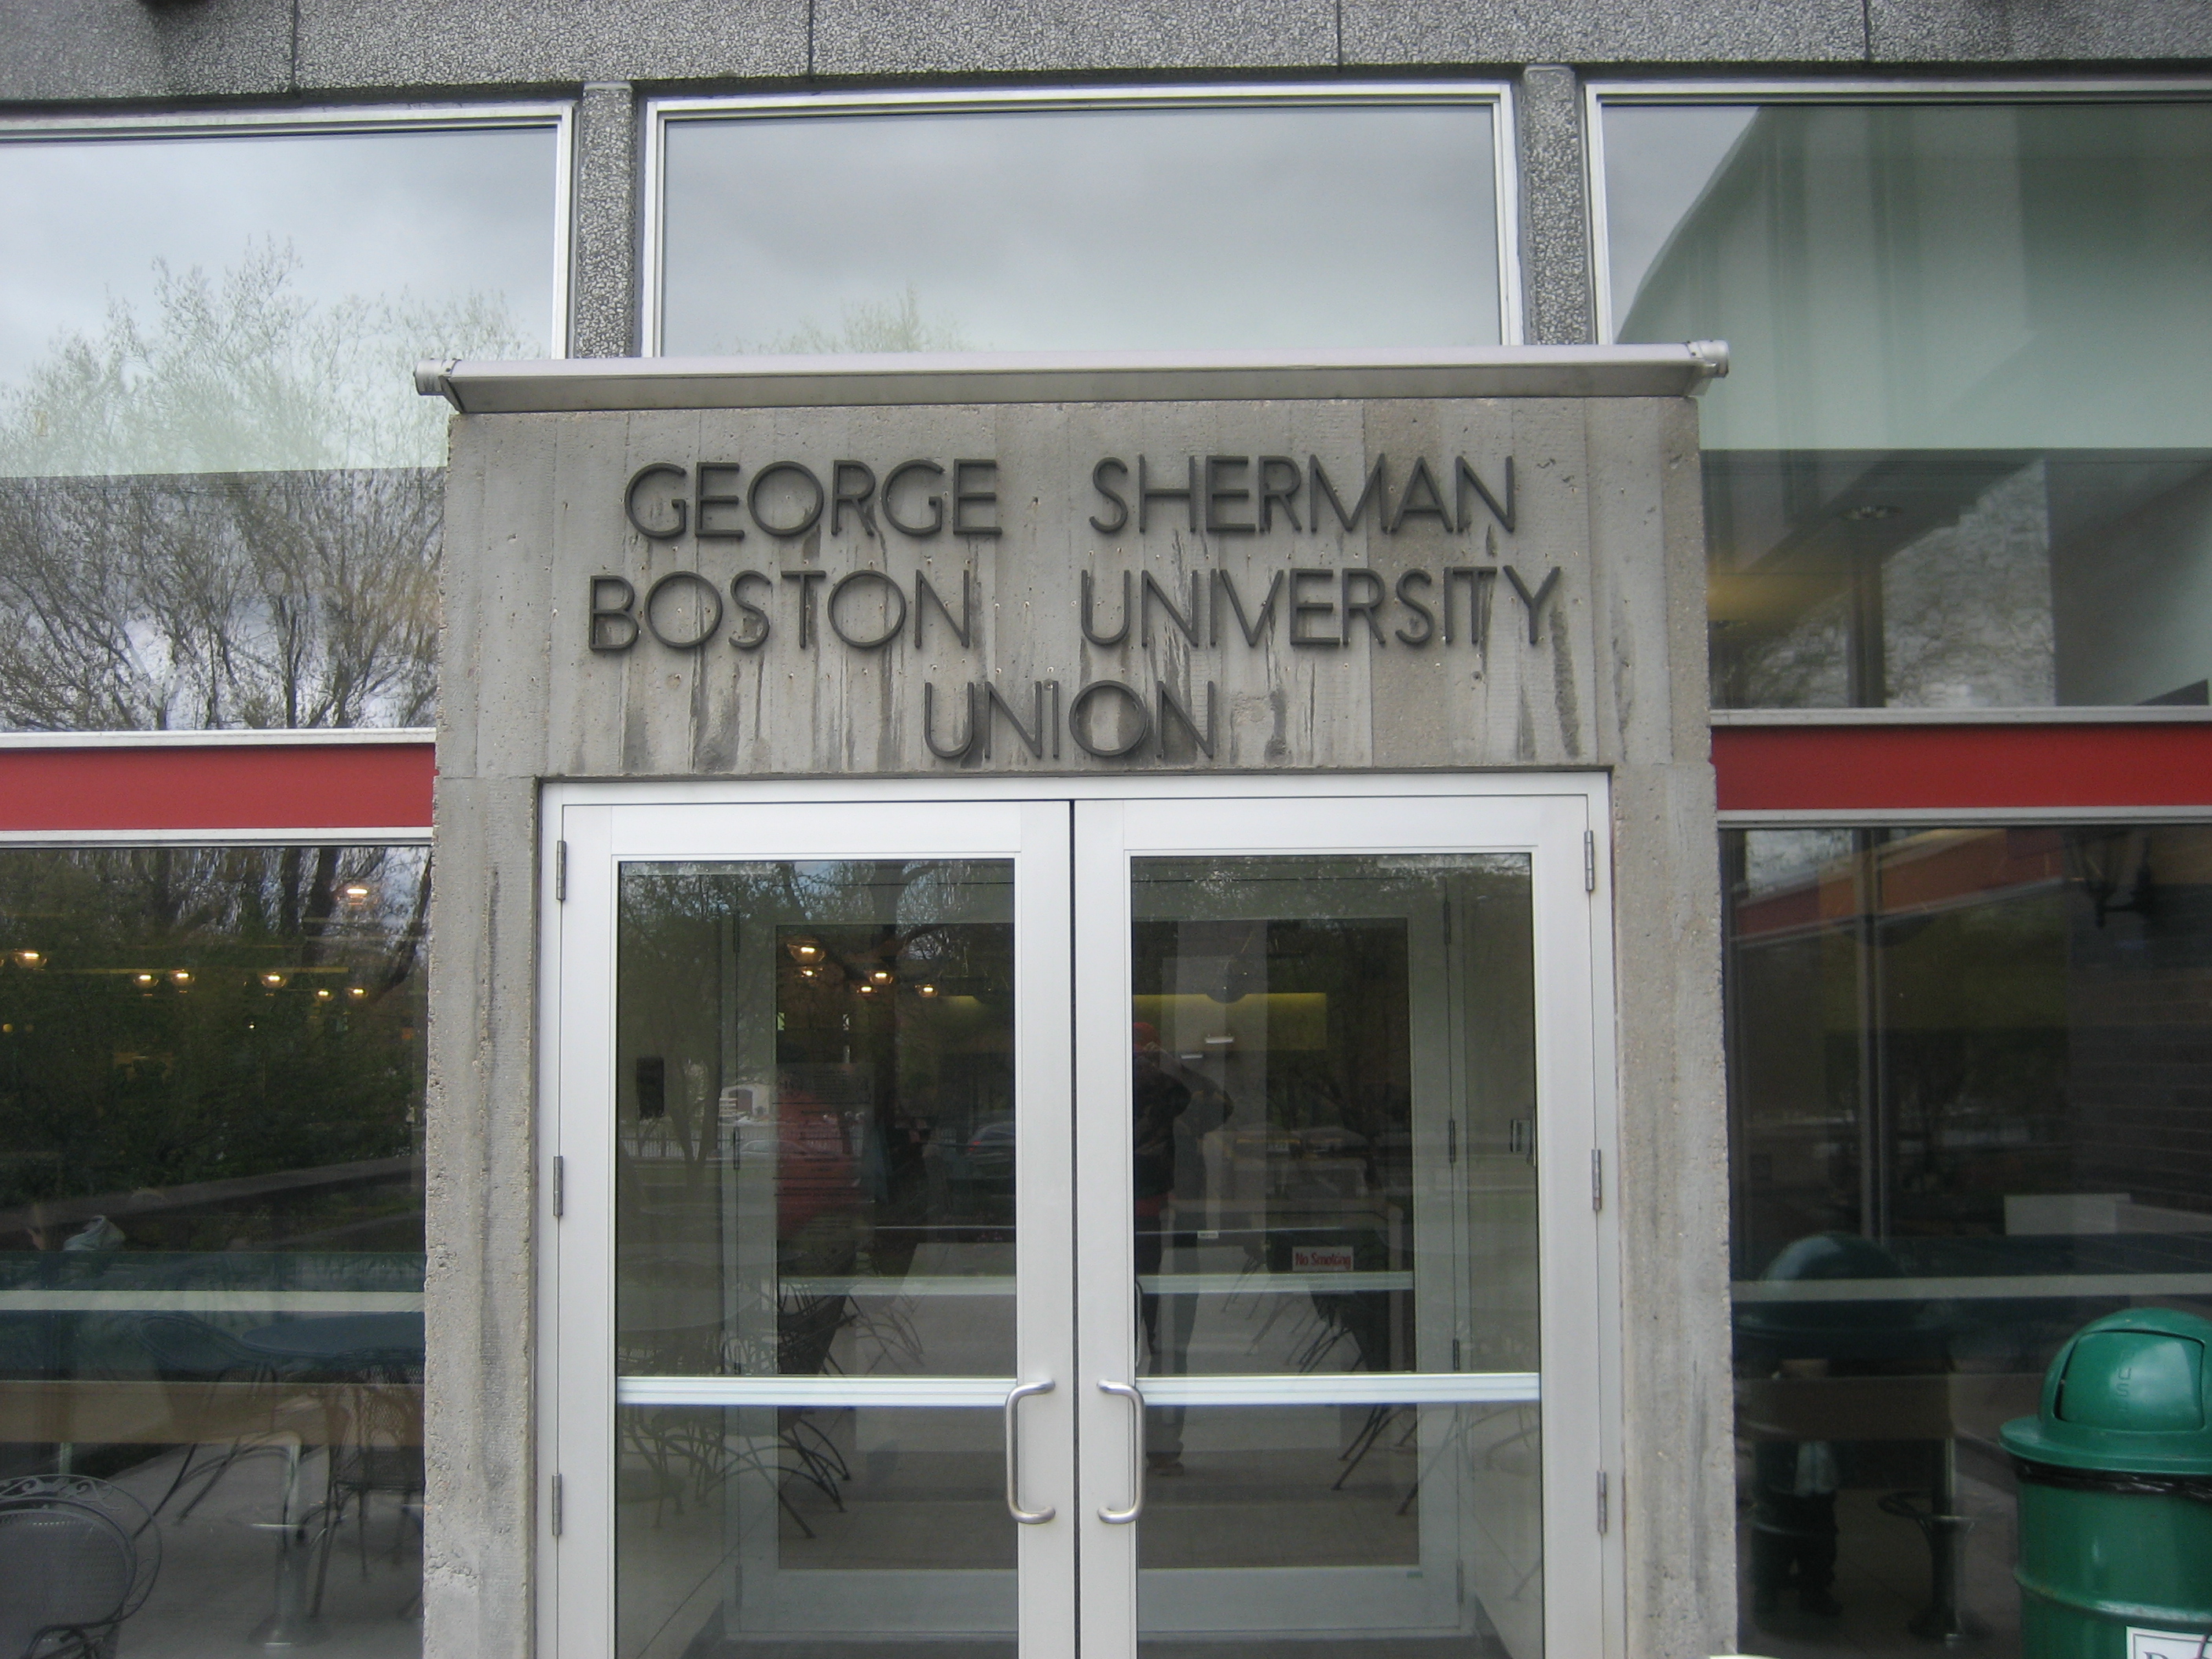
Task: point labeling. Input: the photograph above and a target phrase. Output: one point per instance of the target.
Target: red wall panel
(225, 786)
(1812, 768)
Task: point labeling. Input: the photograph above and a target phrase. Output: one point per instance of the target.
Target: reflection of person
(1172, 1107)
(817, 1196)
(1793, 1531)
(1793, 1536)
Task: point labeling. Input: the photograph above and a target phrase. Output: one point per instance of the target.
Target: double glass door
(1122, 1225)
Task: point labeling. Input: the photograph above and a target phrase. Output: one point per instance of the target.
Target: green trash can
(2115, 1493)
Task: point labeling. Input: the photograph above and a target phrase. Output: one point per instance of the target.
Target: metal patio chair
(77, 1557)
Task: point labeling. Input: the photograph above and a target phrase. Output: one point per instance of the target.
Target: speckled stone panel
(1395, 32)
(347, 44)
(883, 37)
(2039, 31)
(1555, 294)
(603, 262)
(57, 50)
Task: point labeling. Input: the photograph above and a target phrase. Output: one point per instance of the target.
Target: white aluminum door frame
(1584, 1570)
(591, 833)
(1580, 1575)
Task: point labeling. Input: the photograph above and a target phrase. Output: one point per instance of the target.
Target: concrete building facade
(1040, 520)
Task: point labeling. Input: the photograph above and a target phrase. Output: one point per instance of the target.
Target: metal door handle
(1015, 1395)
(1122, 1517)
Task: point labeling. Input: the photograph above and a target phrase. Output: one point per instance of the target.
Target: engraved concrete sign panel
(1013, 586)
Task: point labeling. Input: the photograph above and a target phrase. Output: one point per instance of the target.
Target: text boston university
(1307, 606)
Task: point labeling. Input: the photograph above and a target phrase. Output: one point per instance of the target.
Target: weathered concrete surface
(882, 37)
(1395, 31)
(479, 1435)
(1557, 297)
(348, 44)
(1606, 492)
(603, 310)
(54, 51)
(532, 702)
(61, 52)
(1679, 1492)
(2037, 31)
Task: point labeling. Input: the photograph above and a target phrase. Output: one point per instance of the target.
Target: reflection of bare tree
(219, 599)
(228, 514)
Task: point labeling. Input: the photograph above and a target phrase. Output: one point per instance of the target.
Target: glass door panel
(814, 1120)
(1334, 1176)
(1339, 1107)
(812, 1136)
(877, 1121)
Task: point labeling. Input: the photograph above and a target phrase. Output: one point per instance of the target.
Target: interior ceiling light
(182, 975)
(925, 989)
(324, 993)
(29, 958)
(272, 981)
(881, 975)
(865, 989)
(143, 979)
(803, 950)
(356, 890)
(356, 991)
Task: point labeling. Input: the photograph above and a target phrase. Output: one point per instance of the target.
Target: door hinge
(1604, 1508)
(553, 1503)
(1589, 860)
(1451, 1140)
(1597, 1179)
(559, 1185)
(560, 873)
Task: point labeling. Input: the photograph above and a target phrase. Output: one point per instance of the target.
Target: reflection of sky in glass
(1160, 229)
(440, 213)
(1658, 162)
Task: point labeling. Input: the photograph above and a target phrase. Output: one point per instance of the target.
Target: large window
(211, 1244)
(220, 497)
(1211, 221)
(1971, 1090)
(1964, 456)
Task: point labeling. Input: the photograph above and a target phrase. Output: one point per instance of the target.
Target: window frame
(1495, 95)
(555, 114)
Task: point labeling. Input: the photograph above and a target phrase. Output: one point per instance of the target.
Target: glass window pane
(814, 1123)
(1968, 1075)
(1963, 457)
(1396, 1531)
(788, 1532)
(813, 1141)
(1333, 1104)
(220, 495)
(211, 1245)
(1182, 228)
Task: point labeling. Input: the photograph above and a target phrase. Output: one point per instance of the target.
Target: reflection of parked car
(991, 1154)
